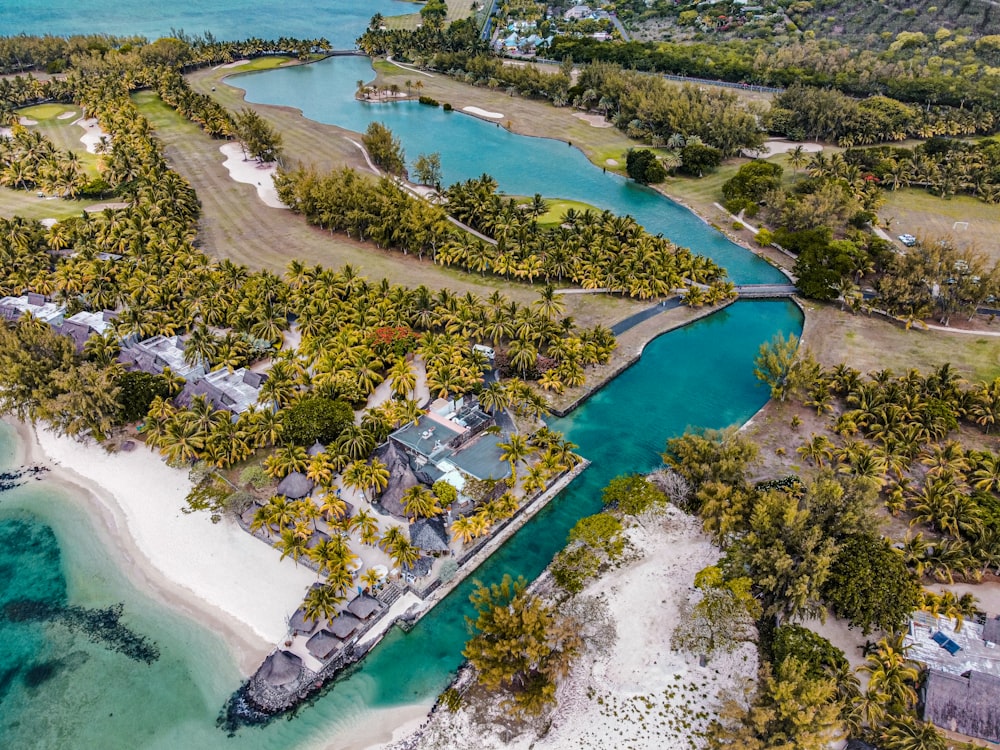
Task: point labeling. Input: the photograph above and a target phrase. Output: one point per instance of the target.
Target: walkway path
(633, 320)
(409, 68)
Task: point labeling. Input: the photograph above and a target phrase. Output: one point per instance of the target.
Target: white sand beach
(216, 573)
(483, 113)
(92, 133)
(251, 172)
(639, 693)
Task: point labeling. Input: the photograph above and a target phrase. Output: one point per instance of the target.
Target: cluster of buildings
(961, 693)
(234, 391)
(523, 37)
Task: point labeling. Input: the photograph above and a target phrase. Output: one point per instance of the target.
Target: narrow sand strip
(233, 64)
(483, 113)
(250, 172)
(216, 572)
(66, 115)
(92, 133)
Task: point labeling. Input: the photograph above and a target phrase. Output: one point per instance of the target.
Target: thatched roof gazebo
(316, 448)
(295, 486)
(323, 644)
(420, 568)
(363, 606)
(299, 624)
(430, 534)
(401, 478)
(280, 669)
(344, 625)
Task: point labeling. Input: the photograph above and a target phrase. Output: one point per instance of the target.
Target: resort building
(83, 325)
(233, 391)
(965, 704)
(444, 440)
(12, 308)
(962, 688)
(156, 354)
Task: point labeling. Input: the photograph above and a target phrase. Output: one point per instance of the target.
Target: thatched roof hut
(855, 744)
(316, 448)
(323, 644)
(401, 478)
(344, 625)
(430, 534)
(295, 486)
(298, 624)
(363, 606)
(280, 668)
(965, 704)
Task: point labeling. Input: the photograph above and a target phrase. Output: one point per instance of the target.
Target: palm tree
(322, 601)
(514, 451)
(371, 578)
(419, 502)
(404, 553)
(906, 733)
(366, 525)
(291, 544)
(465, 528)
(816, 449)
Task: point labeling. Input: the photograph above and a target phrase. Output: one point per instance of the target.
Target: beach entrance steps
(389, 594)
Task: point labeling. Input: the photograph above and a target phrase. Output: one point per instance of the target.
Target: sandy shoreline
(216, 574)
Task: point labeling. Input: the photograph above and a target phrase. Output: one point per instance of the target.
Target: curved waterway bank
(698, 375)
(522, 165)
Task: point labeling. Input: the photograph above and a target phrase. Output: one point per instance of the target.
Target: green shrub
(315, 419)
(255, 476)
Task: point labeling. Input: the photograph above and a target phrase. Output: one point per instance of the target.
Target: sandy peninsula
(215, 573)
(639, 693)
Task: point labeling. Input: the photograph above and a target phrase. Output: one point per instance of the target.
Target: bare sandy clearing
(595, 121)
(251, 172)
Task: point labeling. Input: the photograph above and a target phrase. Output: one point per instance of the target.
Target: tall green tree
(520, 645)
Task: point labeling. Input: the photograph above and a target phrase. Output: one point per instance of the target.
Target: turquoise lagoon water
(61, 688)
(340, 21)
(700, 375)
(324, 91)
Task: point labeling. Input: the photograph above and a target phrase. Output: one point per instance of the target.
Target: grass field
(62, 132)
(558, 208)
(456, 9)
(874, 343)
(929, 217)
(237, 225)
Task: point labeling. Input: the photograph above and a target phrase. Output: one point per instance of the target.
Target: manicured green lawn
(44, 111)
(557, 209)
(929, 217)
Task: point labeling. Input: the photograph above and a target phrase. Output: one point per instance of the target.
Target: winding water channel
(696, 376)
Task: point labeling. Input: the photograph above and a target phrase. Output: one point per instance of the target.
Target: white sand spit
(230, 574)
(637, 693)
(483, 113)
(251, 172)
(66, 115)
(770, 148)
(595, 121)
(92, 133)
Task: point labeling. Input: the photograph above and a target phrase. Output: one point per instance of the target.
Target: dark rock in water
(11, 479)
(102, 626)
(7, 681)
(39, 674)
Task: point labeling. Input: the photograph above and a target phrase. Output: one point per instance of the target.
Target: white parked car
(486, 350)
(908, 239)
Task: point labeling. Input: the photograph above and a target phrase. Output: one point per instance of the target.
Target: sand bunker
(66, 115)
(92, 134)
(770, 148)
(26, 121)
(251, 172)
(483, 113)
(235, 64)
(595, 121)
(611, 162)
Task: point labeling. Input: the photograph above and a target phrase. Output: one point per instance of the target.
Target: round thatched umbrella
(280, 668)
